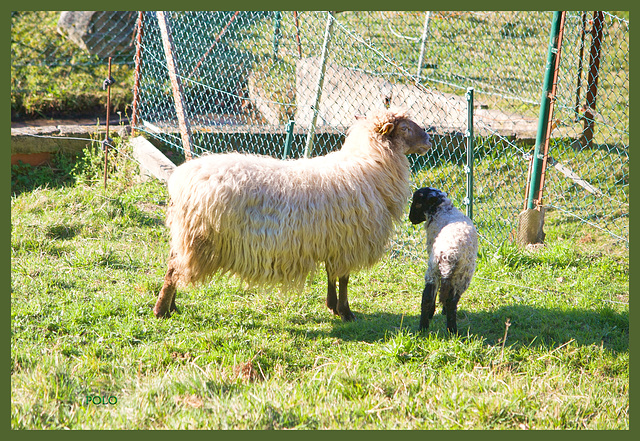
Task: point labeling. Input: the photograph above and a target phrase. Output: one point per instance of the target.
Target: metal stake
(107, 85)
(136, 80)
(215, 42)
(468, 200)
(295, 18)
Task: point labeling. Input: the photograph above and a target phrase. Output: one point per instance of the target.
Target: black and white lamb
(452, 243)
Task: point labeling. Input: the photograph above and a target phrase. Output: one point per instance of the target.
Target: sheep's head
(404, 135)
(425, 203)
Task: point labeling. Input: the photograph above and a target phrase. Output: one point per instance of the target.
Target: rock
(101, 33)
(349, 92)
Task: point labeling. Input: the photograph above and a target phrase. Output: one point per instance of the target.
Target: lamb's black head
(425, 203)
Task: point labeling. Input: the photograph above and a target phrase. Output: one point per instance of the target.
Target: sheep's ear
(386, 128)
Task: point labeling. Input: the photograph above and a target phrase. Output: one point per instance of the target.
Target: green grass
(51, 77)
(86, 267)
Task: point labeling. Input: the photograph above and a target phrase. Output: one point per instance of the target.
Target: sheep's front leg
(332, 295)
(166, 302)
(343, 301)
(428, 305)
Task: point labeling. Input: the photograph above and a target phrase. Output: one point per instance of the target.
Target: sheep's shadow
(529, 326)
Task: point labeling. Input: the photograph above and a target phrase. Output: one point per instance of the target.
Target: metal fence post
(423, 41)
(276, 32)
(323, 66)
(176, 85)
(288, 140)
(546, 112)
(468, 200)
(107, 85)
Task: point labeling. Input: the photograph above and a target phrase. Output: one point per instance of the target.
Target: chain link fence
(251, 80)
(59, 61)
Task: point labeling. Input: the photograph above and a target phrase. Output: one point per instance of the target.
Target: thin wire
(589, 223)
(85, 139)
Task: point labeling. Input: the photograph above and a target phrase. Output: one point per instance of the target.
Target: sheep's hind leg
(166, 302)
(343, 301)
(332, 296)
(428, 306)
(449, 298)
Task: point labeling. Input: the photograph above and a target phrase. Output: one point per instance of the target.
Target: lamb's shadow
(529, 326)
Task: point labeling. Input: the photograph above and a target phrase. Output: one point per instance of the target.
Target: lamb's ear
(386, 128)
(435, 198)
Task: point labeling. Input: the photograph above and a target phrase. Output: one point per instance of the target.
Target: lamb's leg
(343, 301)
(332, 297)
(449, 298)
(428, 305)
(166, 302)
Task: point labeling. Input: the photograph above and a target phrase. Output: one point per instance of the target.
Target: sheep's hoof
(159, 313)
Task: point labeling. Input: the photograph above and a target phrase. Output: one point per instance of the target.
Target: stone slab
(151, 160)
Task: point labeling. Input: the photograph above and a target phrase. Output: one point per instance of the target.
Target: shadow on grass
(529, 326)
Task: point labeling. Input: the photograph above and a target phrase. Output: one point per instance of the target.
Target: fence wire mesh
(246, 75)
(250, 78)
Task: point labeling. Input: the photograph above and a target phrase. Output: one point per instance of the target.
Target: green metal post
(545, 105)
(468, 200)
(288, 140)
(276, 33)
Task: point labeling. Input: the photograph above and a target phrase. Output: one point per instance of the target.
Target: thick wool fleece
(270, 221)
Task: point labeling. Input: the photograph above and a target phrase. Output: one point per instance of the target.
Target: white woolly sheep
(271, 221)
(452, 243)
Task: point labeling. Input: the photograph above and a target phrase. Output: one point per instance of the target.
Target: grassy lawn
(52, 77)
(544, 335)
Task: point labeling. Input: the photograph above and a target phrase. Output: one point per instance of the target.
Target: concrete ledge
(35, 145)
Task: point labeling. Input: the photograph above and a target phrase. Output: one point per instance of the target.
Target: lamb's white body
(452, 243)
(271, 221)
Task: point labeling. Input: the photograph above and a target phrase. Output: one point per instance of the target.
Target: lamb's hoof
(348, 317)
